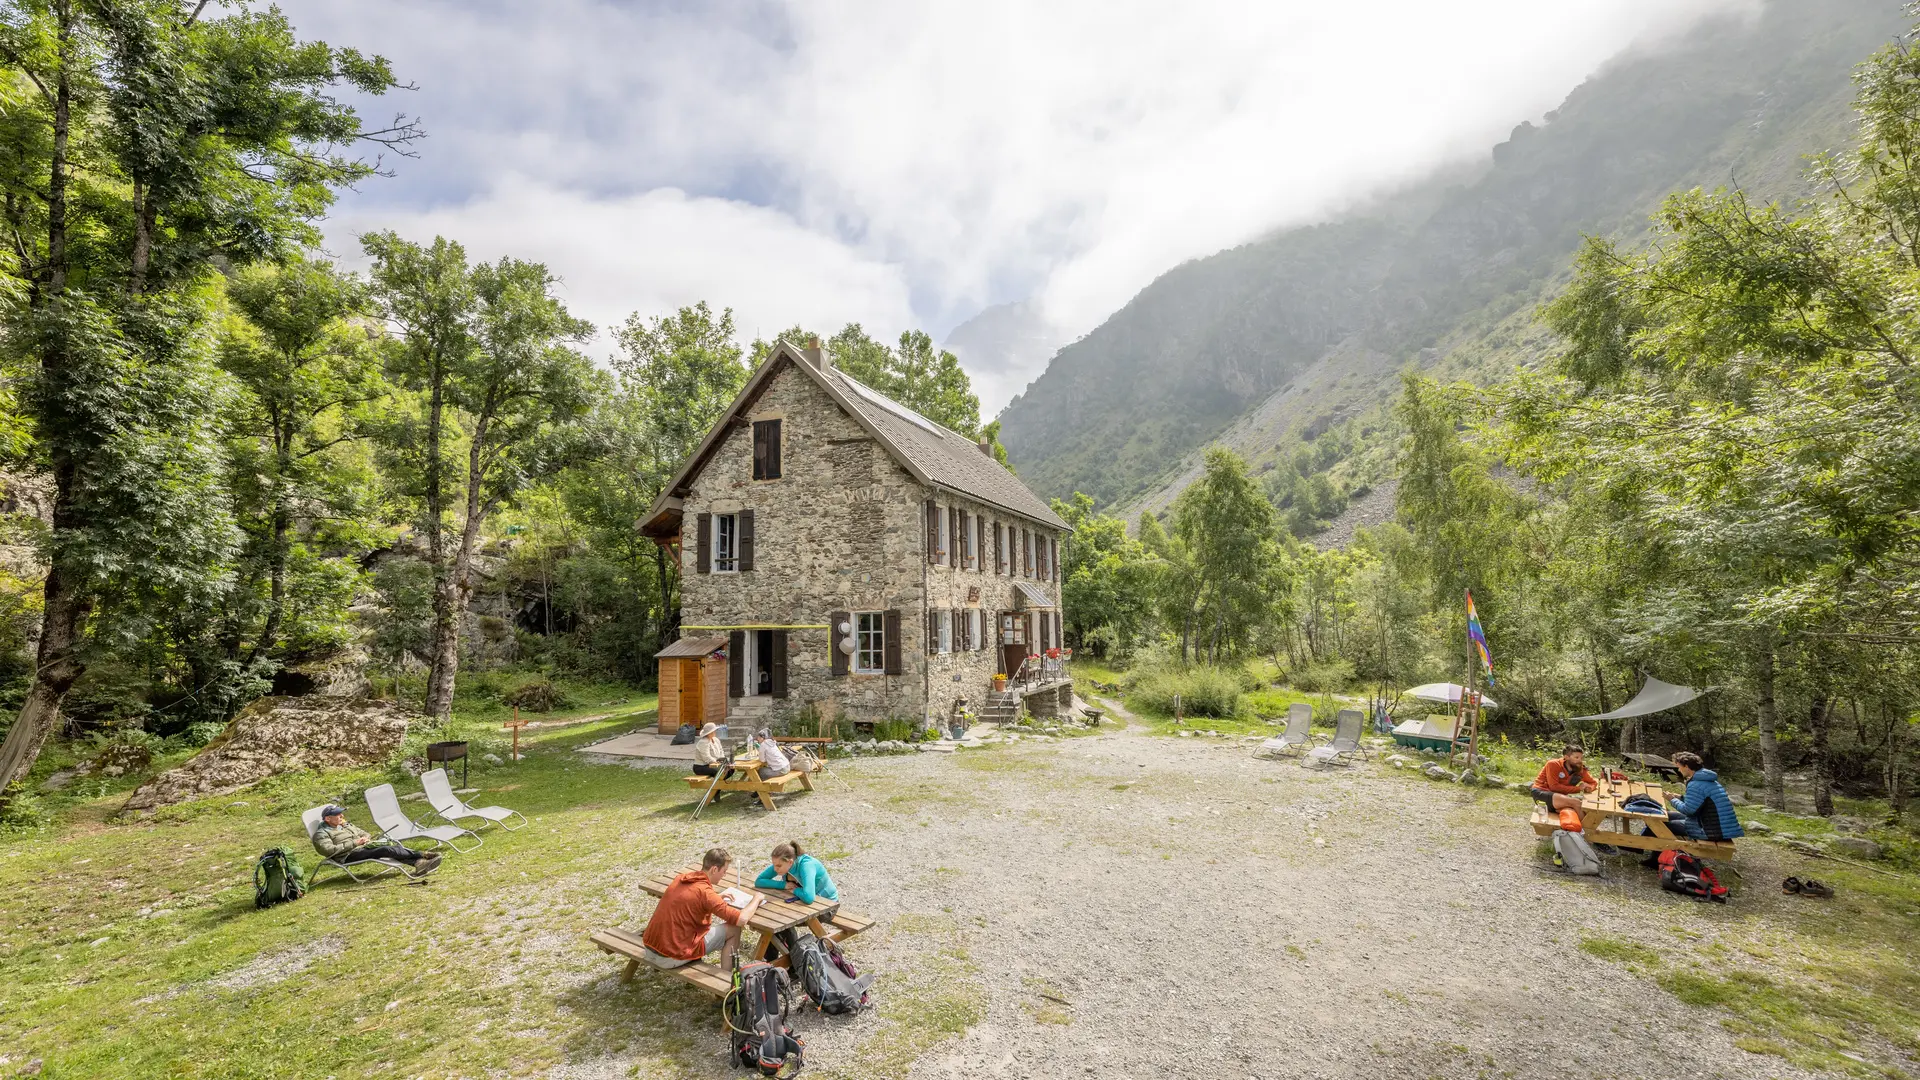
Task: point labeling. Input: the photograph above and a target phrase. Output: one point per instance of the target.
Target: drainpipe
(926, 599)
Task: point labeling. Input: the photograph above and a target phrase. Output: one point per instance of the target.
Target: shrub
(1203, 691)
(541, 696)
(1325, 677)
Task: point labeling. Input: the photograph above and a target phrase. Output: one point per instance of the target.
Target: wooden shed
(693, 682)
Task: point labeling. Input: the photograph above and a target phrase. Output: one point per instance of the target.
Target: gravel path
(1124, 905)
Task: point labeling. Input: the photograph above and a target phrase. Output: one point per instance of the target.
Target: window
(943, 632)
(726, 543)
(973, 541)
(766, 449)
(870, 643)
(943, 542)
(976, 633)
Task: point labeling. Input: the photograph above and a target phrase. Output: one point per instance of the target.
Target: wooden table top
(1614, 792)
(775, 915)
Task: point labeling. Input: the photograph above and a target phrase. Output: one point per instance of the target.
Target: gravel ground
(1128, 905)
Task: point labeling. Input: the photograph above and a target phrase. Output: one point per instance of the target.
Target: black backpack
(685, 735)
(826, 984)
(277, 878)
(1682, 872)
(756, 1014)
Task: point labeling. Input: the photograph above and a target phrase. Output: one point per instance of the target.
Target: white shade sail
(1446, 691)
(1654, 697)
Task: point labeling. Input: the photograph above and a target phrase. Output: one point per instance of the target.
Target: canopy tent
(1446, 691)
(1654, 697)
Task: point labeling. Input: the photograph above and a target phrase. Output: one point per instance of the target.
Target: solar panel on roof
(893, 406)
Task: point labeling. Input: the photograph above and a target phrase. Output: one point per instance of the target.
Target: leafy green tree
(487, 347)
(1223, 525)
(1106, 580)
(142, 145)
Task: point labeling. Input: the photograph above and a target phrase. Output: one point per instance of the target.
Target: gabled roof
(934, 454)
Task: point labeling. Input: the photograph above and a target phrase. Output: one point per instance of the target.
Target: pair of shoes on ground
(1796, 887)
(426, 865)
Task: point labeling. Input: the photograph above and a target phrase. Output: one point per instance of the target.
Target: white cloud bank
(905, 162)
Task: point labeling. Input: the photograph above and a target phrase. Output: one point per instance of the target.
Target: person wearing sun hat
(710, 758)
(344, 843)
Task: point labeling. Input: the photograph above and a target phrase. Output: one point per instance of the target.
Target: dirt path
(1123, 905)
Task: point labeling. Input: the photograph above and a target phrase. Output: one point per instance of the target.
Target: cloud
(654, 252)
(917, 161)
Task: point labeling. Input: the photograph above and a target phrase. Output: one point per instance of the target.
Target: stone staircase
(1001, 708)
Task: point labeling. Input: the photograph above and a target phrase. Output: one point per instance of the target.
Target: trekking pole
(720, 770)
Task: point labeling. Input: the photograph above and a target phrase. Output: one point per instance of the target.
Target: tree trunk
(1896, 751)
(1818, 719)
(277, 553)
(446, 631)
(446, 646)
(64, 609)
(1770, 769)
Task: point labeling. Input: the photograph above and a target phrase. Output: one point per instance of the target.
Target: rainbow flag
(1479, 638)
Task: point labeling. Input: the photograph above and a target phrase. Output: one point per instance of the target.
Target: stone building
(857, 555)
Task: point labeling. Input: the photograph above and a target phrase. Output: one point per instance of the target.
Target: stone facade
(842, 530)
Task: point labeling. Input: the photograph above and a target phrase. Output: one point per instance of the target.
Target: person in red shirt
(1563, 779)
(693, 919)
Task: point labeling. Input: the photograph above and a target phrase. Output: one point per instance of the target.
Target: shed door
(691, 711)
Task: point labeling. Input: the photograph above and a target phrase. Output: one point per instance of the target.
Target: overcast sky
(903, 163)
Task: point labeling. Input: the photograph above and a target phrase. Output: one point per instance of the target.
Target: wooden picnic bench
(823, 917)
(1662, 767)
(1600, 810)
(749, 781)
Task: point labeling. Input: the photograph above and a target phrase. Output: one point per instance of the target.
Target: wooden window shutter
(702, 543)
(999, 549)
(953, 537)
(966, 540)
(745, 541)
(777, 663)
(953, 629)
(933, 534)
(838, 659)
(933, 637)
(892, 643)
(737, 663)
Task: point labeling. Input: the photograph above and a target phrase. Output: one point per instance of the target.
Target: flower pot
(999, 684)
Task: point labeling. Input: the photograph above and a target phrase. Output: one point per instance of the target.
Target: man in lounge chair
(693, 919)
(1705, 812)
(1562, 780)
(344, 843)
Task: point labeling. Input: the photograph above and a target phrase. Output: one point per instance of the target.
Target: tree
(1222, 524)
(306, 370)
(1106, 579)
(145, 144)
(487, 346)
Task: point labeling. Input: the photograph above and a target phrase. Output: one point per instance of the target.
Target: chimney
(815, 354)
(986, 447)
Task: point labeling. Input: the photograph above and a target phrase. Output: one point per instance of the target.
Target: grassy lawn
(133, 948)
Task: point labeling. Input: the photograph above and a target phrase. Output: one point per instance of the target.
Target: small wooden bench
(707, 977)
(783, 784)
(1545, 823)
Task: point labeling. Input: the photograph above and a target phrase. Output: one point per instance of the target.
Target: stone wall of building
(967, 675)
(843, 529)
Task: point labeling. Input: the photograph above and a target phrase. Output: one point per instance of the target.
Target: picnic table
(749, 781)
(779, 913)
(1604, 821)
(1661, 767)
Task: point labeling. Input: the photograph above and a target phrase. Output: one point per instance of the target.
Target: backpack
(1576, 853)
(839, 960)
(829, 986)
(277, 878)
(756, 1014)
(685, 735)
(1683, 873)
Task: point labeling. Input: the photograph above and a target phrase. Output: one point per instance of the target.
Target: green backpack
(277, 878)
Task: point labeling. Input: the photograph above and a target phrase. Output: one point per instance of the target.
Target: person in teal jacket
(796, 872)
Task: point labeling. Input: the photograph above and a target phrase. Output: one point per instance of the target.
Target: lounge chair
(1346, 739)
(1299, 733)
(363, 870)
(396, 826)
(449, 806)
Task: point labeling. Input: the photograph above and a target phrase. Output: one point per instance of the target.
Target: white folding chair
(450, 807)
(395, 825)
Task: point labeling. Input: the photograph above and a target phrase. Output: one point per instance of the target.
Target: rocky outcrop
(275, 735)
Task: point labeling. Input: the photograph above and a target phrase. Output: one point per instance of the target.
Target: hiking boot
(1819, 889)
(427, 864)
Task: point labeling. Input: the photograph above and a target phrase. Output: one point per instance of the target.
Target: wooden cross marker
(516, 725)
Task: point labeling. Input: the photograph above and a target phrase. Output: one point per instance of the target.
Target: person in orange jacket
(1562, 780)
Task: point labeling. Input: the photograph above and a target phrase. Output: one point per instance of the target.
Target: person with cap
(344, 843)
(710, 758)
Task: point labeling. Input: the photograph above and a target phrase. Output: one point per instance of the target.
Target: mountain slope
(1266, 345)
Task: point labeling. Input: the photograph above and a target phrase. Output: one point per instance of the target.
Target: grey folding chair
(396, 826)
(1346, 740)
(1299, 733)
(450, 807)
(363, 870)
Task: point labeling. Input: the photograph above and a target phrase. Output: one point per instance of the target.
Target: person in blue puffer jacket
(1704, 812)
(797, 873)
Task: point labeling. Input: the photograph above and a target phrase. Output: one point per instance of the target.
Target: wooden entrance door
(692, 709)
